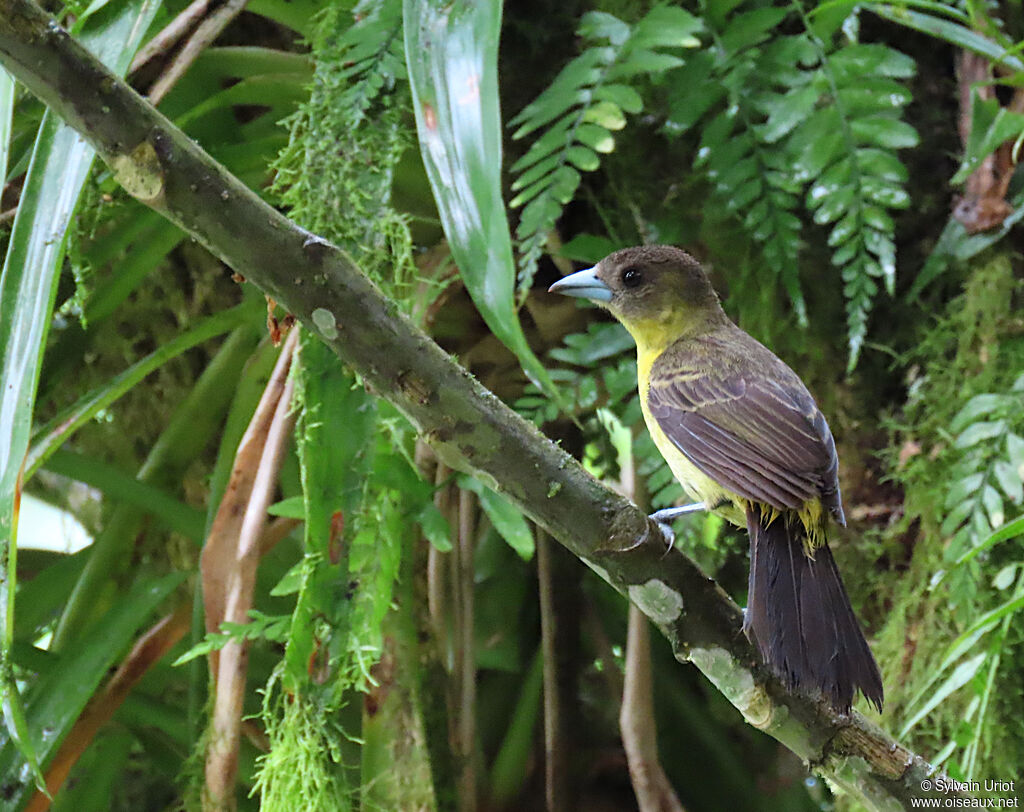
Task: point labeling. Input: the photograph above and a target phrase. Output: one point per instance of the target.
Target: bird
(744, 437)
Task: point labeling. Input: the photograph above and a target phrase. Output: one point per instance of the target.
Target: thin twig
(168, 37)
(653, 791)
(467, 672)
(202, 38)
(637, 722)
(556, 790)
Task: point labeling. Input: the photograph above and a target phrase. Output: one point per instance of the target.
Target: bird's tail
(800, 618)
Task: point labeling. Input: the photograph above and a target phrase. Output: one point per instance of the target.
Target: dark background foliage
(845, 172)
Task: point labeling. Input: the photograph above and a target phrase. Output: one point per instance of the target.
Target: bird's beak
(584, 284)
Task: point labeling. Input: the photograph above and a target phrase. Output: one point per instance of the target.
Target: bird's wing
(752, 427)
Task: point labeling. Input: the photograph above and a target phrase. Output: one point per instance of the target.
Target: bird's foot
(663, 517)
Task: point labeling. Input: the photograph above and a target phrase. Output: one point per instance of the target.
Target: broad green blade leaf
(951, 32)
(452, 54)
(122, 487)
(6, 114)
(335, 451)
(28, 284)
(59, 696)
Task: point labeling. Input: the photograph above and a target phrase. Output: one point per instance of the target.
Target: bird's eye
(632, 277)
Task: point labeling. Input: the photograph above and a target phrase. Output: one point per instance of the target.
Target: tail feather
(800, 618)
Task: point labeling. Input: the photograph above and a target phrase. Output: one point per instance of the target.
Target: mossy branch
(467, 425)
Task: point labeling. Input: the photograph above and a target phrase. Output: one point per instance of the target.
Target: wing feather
(748, 423)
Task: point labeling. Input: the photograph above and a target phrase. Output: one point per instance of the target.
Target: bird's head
(656, 291)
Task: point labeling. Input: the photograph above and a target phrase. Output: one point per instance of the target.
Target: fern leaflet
(579, 111)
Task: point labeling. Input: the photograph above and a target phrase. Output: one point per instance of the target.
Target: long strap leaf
(28, 285)
(452, 54)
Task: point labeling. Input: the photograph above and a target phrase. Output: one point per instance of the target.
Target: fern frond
(850, 149)
(762, 91)
(788, 122)
(990, 470)
(588, 101)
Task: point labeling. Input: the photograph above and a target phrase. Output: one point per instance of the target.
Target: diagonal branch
(469, 427)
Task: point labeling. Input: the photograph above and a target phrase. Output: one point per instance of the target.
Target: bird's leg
(663, 517)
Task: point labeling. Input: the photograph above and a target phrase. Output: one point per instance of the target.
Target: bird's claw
(662, 518)
(667, 533)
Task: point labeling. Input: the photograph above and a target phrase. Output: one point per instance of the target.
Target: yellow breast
(697, 484)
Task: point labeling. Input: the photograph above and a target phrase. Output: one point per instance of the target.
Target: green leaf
(815, 145)
(886, 166)
(605, 114)
(852, 63)
(993, 503)
(666, 27)
(564, 184)
(504, 517)
(787, 111)
(877, 218)
(59, 696)
(979, 432)
(992, 125)
(1010, 530)
(827, 17)
(291, 582)
(951, 32)
(595, 137)
(829, 207)
(589, 248)
(294, 507)
(583, 158)
(1009, 480)
(119, 486)
(1004, 578)
(6, 117)
(1015, 450)
(621, 95)
(978, 406)
(702, 92)
(298, 15)
(883, 131)
(751, 27)
(873, 95)
(57, 431)
(642, 61)
(963, 674)
(535, 175)
(885, 194)
(435, 527)
(451, 49)
(960, 511)
(963, 489)
(556, 137)
(601, 25)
